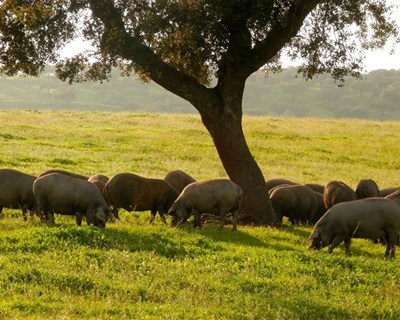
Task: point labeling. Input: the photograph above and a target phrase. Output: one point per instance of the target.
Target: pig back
(365, 218)
(213, 195)
(65, 193)
(64, 172)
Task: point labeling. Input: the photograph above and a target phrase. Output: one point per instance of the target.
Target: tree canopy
(195, 38)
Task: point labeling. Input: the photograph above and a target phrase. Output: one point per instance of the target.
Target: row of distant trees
(377, 96)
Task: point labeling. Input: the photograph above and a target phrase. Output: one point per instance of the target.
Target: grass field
(133, 270)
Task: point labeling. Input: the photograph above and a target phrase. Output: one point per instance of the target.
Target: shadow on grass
(298, 231)
(239, 237)
(161, 241)
(229, 236)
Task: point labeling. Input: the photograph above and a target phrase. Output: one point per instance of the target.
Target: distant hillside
(375, 97)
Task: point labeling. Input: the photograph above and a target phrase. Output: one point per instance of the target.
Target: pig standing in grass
(371, 218)
(218, 197)
(59, 193)
(135, 193)
(16, 191)
(297, 202)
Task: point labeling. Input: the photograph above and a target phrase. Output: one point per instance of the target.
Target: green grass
(132, 270)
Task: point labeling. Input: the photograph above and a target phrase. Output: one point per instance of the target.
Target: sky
(382, 59)
(374, 60)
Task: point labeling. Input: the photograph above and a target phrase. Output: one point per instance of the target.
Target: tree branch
(116, 41)
(279, 36)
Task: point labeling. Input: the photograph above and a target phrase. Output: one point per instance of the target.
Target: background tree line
(377, 96)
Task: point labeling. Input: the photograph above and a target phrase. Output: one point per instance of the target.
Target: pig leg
(235, 218)
(24, 214)
(31, 213)
(223, 219)
(49, 216)
(162, 217)
(153, 216)
(197, 215)
(390, 249)
(338, 239)
(391, 240)
(78, 219)
(347, 243)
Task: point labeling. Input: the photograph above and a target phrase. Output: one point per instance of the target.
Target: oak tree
(200, 50)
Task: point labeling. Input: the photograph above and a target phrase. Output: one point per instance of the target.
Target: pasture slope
(133, 270)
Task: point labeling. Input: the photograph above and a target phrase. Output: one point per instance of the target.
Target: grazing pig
(178, 179)
(297, 202)
(272, 183)
(64, 172)
(337, 191)
(367, 188)
(218, 197)
(371, 218)
(63, 194)
(16, 191)
(135, 193)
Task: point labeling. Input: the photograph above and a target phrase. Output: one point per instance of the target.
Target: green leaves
(31, 33)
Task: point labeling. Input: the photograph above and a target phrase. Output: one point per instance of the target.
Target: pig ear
(101, 215)
(315, 235)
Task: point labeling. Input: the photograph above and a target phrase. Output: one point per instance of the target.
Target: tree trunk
(224, 123)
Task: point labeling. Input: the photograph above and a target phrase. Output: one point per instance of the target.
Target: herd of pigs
(337, 212)
(98, 198)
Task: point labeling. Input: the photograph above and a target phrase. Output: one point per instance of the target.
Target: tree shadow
(228, 236)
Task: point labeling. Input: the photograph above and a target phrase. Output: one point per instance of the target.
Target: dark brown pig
(370, 218)
(16, 191)
(178, 179)
(337, 191)
(62, 194)
(297, 202)
(367, 188)
(218, 197)
(135, 193)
